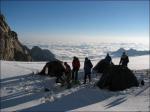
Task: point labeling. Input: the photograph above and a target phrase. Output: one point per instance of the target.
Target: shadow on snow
(20, 90)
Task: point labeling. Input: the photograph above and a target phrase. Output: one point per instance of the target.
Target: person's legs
(89, 75)
(73, 71)
(68, 81)
(124, 64)
(85, 75)
(76, 75)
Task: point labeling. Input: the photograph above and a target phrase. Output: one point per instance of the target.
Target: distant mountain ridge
(39, 54)
(130, 52)
(12, 49)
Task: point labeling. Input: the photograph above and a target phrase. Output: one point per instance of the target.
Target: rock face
(10, 46)
(39, 54)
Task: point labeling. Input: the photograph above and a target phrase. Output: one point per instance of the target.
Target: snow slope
(22, 90)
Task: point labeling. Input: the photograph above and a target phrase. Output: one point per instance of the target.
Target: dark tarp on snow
(54, 68)
(115, 77)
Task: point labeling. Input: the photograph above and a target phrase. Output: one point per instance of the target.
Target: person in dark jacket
(124, 60)
(87, 69)
(76, 67)
(68, 74)
(108, 58)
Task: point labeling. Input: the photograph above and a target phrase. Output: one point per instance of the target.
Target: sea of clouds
(95, 51)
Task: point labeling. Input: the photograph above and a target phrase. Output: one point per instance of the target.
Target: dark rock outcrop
(39, 54)
(10, 46)
(130, 52)
(115, 77)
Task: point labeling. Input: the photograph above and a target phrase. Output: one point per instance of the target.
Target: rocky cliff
(10, 46)
(12, 49)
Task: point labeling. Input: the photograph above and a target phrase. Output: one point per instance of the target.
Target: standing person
(68, 74)
(76, 66)
(87, 69)
(108, 58)
(124, 60)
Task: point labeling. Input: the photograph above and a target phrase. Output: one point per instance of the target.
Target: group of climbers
(123, 61)
(72, 74)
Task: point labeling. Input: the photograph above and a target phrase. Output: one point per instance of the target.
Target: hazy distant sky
(98, 21)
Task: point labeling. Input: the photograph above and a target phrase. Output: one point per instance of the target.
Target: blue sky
(78, 20)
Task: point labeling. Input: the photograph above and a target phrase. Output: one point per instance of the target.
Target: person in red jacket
(76, 67)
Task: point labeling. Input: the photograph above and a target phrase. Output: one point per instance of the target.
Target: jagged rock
(39, 54)
(10, 46)
(4, 28)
